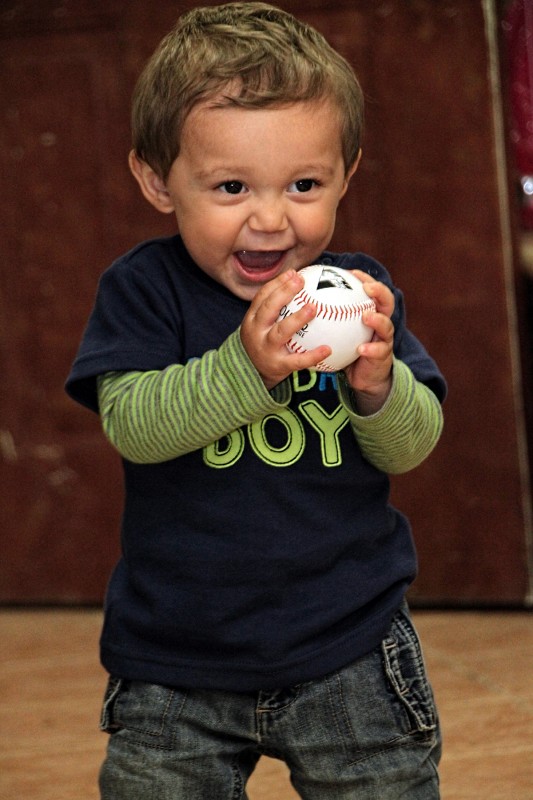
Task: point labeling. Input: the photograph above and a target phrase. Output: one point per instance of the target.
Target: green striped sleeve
(405, 430)
(158, 415)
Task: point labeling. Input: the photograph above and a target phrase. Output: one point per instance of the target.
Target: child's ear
(351, 171)
(152, 186)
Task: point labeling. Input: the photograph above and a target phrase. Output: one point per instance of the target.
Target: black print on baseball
(330, 279)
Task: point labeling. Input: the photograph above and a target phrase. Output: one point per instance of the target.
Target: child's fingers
(285, 327)
(380, 294)
(382, 342)
(309, 359)
(380, 324)
(364, 277)
(274, 295)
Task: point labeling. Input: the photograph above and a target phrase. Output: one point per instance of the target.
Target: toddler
(259, 603)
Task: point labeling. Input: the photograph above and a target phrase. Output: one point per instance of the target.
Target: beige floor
(481, 666)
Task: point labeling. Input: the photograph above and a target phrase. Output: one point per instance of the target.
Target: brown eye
(232, 187)
(304, 185)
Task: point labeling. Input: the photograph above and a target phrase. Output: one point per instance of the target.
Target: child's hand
(371, 375)
(264, 338)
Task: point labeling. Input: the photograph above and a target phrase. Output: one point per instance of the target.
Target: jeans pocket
(405, 670)
(146, 713)
(107, 716)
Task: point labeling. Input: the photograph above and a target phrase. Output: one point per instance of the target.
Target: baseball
(341, 300)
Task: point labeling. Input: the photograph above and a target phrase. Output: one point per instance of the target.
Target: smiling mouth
(259, 259)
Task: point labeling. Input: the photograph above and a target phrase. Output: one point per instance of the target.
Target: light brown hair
(250, 55)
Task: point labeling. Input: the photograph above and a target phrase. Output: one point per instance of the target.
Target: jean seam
(147, 731)
(238, 783)
(163, 739)
(336, 676)
(394, 744)
(420, 709)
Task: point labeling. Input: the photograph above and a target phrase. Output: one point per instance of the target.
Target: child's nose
(269, 216)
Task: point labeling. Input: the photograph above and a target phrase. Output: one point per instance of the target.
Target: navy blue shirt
(261, 569)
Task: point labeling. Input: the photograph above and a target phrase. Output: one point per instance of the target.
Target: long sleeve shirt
(259, 546)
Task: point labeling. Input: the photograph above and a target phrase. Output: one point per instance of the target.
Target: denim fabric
(369, 731)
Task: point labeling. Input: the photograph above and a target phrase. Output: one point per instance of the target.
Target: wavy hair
(250, 55)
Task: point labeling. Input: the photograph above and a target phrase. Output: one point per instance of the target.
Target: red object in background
(518, 27)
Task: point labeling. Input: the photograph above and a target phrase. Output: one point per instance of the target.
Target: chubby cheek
(206, 255)
(204, 235)
(318, 229)
(216, 232)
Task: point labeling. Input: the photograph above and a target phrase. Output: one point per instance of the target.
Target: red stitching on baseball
(326, 367)
(342, 312)
(300, 298)
(294, 347)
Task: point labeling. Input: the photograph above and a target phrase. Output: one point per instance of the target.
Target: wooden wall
(430, 200)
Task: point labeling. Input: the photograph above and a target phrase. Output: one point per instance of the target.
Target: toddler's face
(255, 191)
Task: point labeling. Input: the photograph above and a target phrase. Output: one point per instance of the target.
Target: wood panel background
(430, 200)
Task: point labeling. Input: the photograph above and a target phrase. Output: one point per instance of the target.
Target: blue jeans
(369, 731)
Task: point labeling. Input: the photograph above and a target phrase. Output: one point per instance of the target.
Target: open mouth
(260, 260)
